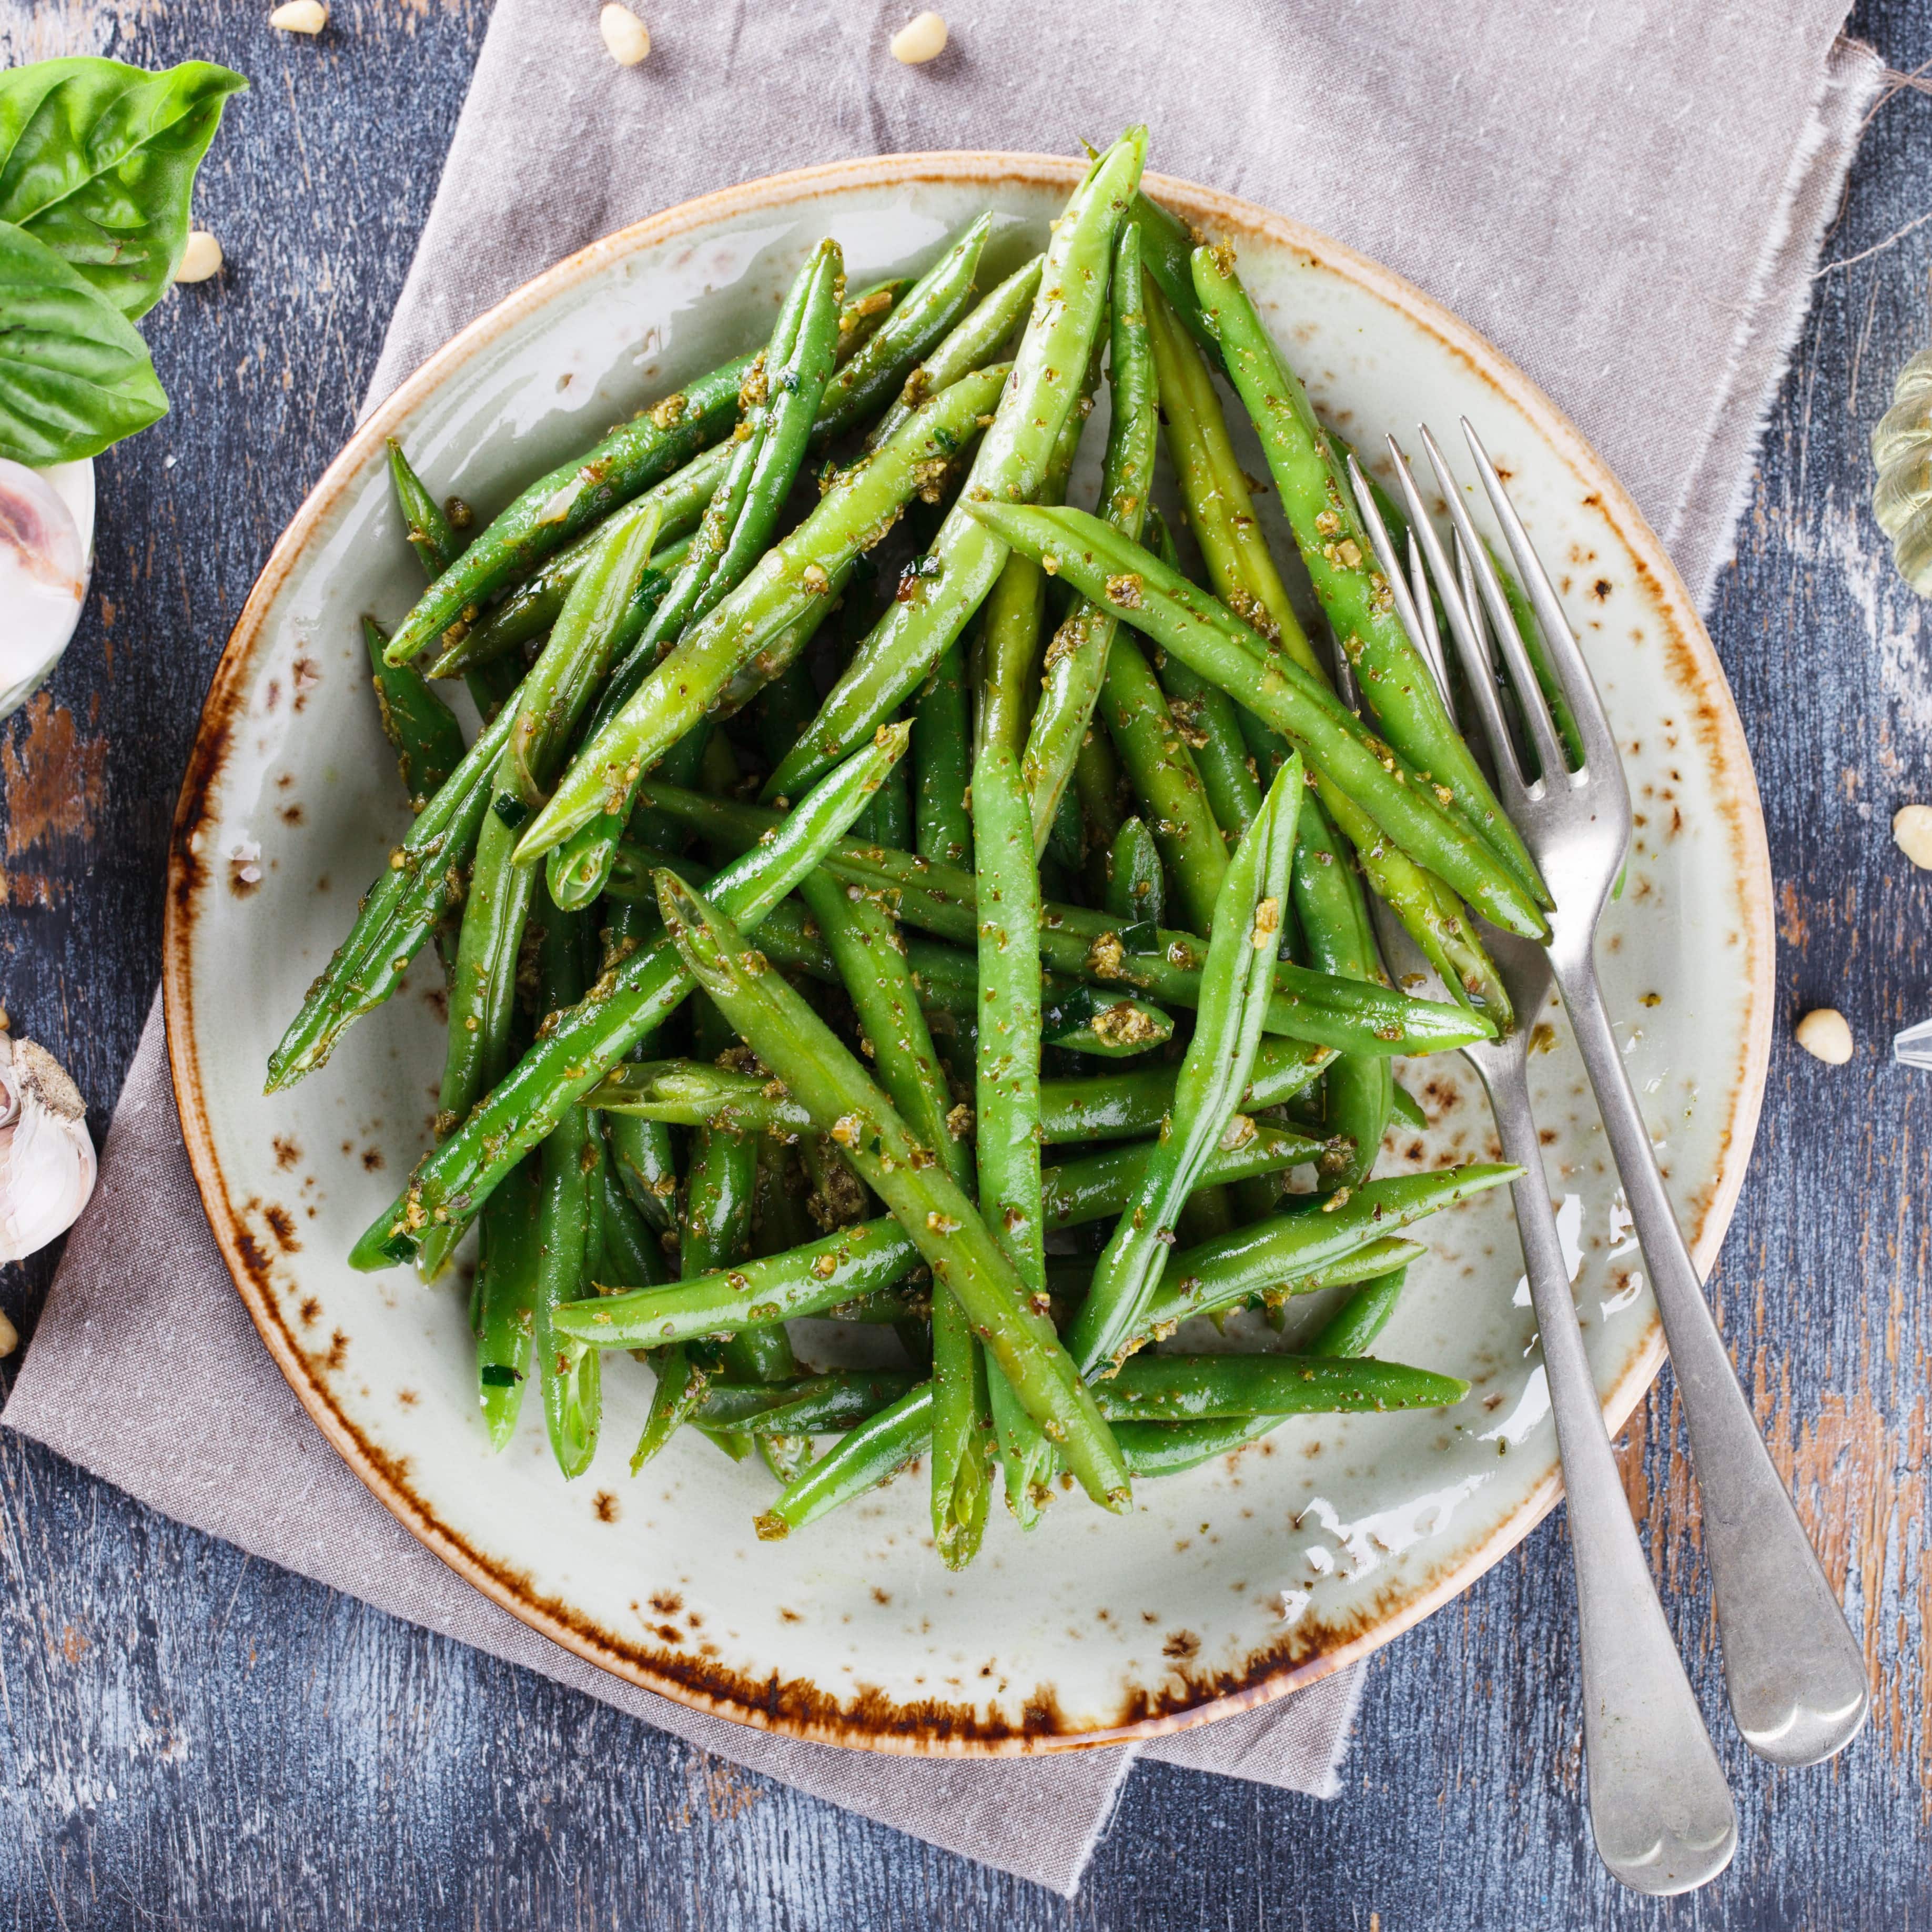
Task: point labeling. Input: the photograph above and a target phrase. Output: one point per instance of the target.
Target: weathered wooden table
(189, 1738)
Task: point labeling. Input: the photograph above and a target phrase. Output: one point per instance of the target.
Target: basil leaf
(98, 160)
(74, 372)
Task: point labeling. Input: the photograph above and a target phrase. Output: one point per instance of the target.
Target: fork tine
(1535, 712)
(1573, 671)
(1383, 544)
(1429, 642)
(1466, 626)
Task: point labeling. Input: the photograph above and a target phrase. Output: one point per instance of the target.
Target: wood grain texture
(190, 1739)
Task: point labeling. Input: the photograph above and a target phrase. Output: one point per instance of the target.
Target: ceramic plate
(1225, 1587)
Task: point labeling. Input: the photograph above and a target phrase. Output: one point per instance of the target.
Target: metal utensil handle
(1793, 1668)
(1659, 1805)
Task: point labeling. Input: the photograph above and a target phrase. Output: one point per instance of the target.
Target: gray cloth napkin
(1630, 208)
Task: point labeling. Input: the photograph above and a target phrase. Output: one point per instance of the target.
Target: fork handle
(1659, 1805)
(1796, 1675)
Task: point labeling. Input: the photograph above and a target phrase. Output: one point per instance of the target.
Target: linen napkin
(1631, 208)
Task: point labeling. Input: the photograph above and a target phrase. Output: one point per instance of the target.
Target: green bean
(1167, 248)
(506, 1292)
(397, 914)
(721, 1190)
(1054, 355)
(1316, 499)
(868, 1257)
(873, 376)
(453, 1181)
(888, 820)
(1164, 774)
(1177, 1388)
(560, 506)
(881, 1445)
(793, 579)
(1353, 1016)
(1098, 780)
(1523, 613)
(1078, 657)
(425, 523)
(483, 985)
(1006, 1095)
(683, 1092)
(942, 760)
(780, 399)
(1224, 650)
(1215, 1074)
(632, 1257)
(807, 1405)
(531, 607)
(866, 948)
(422, 729)
(1258, 1260)
(974, 342)
(841, 1098)
(681, 1380)
(642, 1157)
(1330, 911)
(568, 1171)
(1172, 1448)
(1351, 1330)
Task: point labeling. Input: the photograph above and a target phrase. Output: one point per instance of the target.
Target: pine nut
(922, 38)
(300, 17)
(201, 259)
(1825, 1035)
(1912, 831)
(626, 38)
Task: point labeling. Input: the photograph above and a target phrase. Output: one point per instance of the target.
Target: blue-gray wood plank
(189, 1739)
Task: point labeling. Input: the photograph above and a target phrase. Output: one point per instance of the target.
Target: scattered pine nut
(1912, 831)
(626, 38)
(201, 259)
(922, 38)
(1826, 1035)
(300, 17)
(10, 1337)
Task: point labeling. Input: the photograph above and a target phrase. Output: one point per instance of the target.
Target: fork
(1660, 1808)
(1793, 1668)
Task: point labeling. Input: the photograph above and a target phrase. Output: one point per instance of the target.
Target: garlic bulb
(1902, 448)
(46, 1160)
(44, 566)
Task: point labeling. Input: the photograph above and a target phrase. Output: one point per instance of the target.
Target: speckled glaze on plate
(1224, 1588)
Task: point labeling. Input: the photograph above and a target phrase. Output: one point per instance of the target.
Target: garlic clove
(46, 1159)
(43, 571)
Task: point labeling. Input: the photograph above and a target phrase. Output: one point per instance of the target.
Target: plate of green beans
(769, 976)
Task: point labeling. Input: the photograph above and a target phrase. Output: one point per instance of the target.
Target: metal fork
(1792, 1666)
(1660, 1807)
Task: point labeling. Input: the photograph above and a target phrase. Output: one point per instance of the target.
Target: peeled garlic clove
(44, 573)
(46, 1160)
